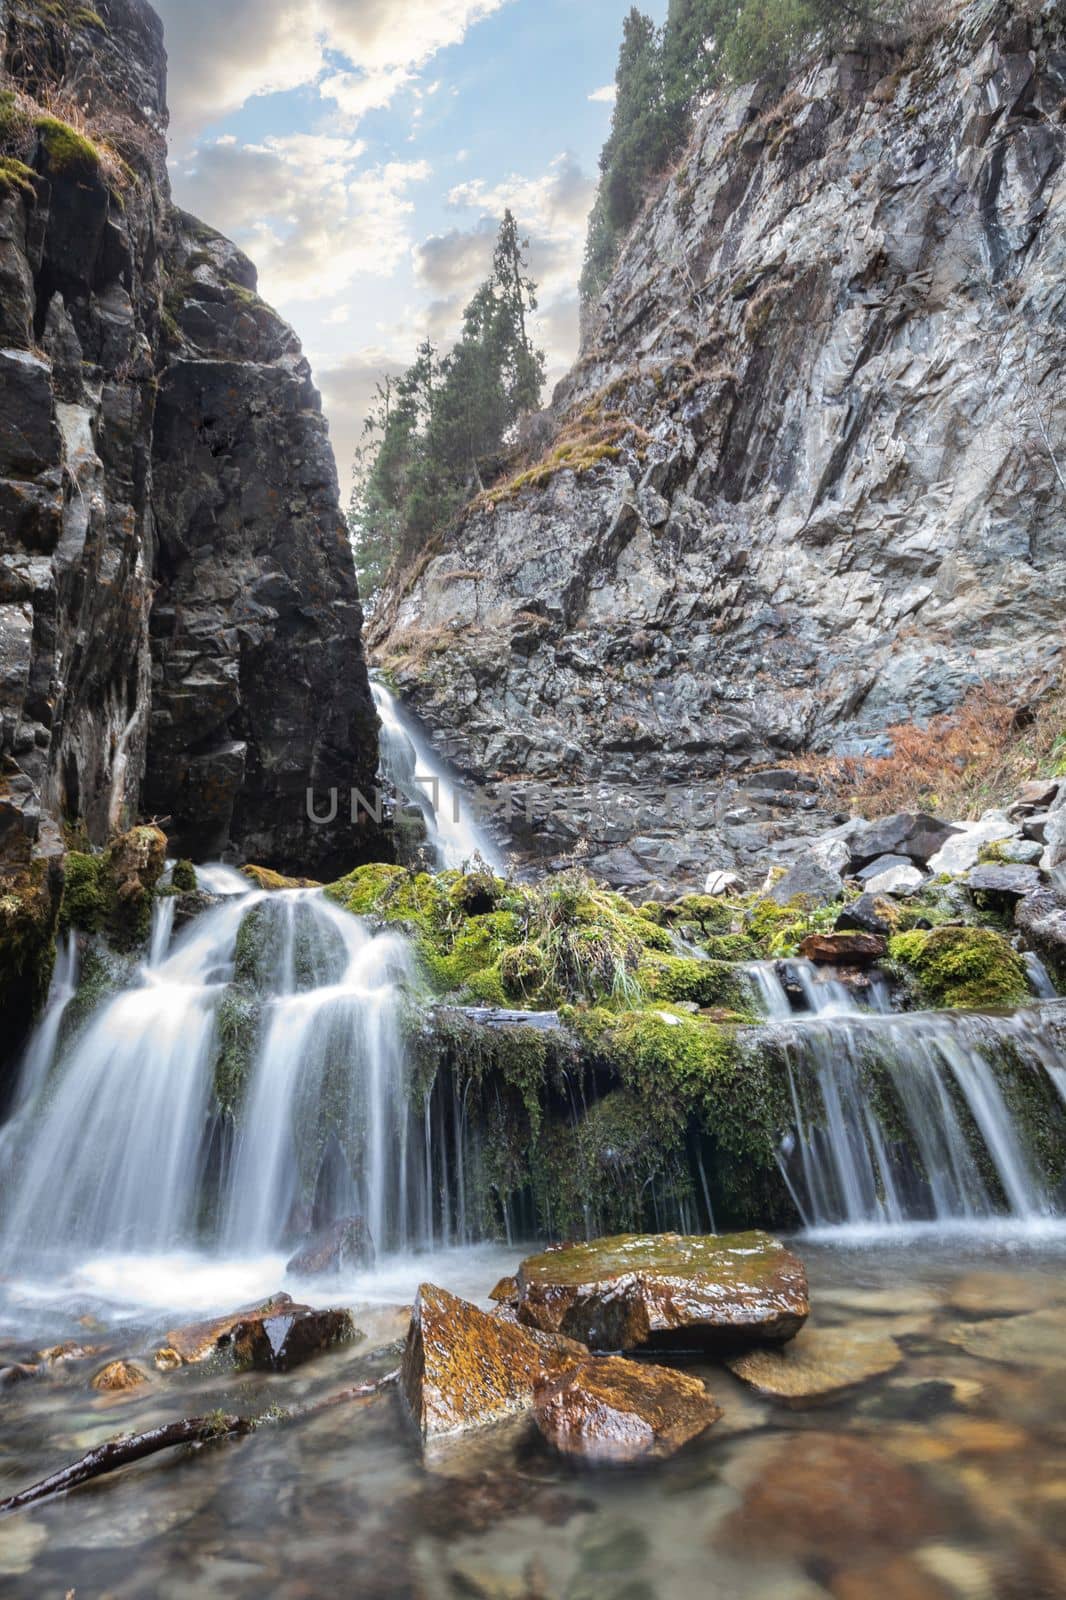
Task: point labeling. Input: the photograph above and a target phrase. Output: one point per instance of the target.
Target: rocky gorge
(400, 1184)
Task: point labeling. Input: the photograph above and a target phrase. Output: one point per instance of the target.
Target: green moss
(113, 892)
(69, 153)
(28, 913)
(732, 947)
(183, 877)
(961, 968)
(708, 913)
(16, 176)
(238, 1036)
(712, 985)
(523, 971)
(994, 852)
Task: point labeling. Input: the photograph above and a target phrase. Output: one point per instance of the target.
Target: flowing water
(411, 765)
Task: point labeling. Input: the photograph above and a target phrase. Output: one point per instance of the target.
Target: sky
(362, 152)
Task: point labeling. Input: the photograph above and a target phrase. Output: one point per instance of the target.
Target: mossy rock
(523, 971)
(17, 177)
(274, 882)
(962, 968)
(183, 878)
(29, 911)
(238, 1026)
(711, 985)
(67, 153)
(113, 892)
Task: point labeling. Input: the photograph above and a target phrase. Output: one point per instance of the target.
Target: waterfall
(115, 1141)
(896, 1117)
(412, 767)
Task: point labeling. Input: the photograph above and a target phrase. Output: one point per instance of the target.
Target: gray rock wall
(829, 370)
(177, 595)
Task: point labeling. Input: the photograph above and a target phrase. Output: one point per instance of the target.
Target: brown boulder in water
(844, 948)
(667, 1290)
(463, 1367)
(612, 1412)
(289, 1338)
(820, 1364)
(199, 1340)
(118, 1377)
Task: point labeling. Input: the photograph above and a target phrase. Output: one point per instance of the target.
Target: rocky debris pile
(536, 1352)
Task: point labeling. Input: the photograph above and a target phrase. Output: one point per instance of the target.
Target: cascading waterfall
(901, 1117)
(115, 1142)
(410, 764)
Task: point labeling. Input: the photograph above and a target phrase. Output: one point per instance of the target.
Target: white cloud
(348, 389)
(305, 209)
(221, 55)
(605, 96)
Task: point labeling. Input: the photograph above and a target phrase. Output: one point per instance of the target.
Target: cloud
(223, 54)
(605, 96)
(307, 211)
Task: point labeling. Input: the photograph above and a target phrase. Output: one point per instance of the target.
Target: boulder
(289, 1338)
(809, 881)
(913, 835)
(844, 948)
(1041, 917)
(1004, 883)
(118, 1377)
(1054, 856)
(1039, 792)
(463, 1368)
(611, 1412)
(819, 1364)
(198, 1340)
(505, 1292)
(720, 884)
(342, 1246)
(865, 915)
(961, 852)
(667, 1290)
(884, 864)
(897, 880)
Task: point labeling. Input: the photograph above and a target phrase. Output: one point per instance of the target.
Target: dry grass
(959, 764)
(581, 445)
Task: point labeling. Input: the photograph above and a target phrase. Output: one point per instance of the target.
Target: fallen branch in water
(122, 1452)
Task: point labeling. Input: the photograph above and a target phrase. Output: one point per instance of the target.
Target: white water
(412, 766)
(843, 1161)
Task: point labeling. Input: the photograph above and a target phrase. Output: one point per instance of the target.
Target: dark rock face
(840, 512)
(176, 588)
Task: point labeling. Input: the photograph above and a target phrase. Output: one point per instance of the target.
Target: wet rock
(612, 1412)
(341, 1247)
(810, 882)
(505, 1292)
(823, 1495)
(18, 1372)
(819, 1364)
(665, 1290)
(463, 1367)
(844, 948)
(288, 1339)
(1041, 917)
(867, 914)
(999, 1294)
(71, 1351)
(118, 1377)
(199, 1340)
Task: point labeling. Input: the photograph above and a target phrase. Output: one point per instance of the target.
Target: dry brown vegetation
(959, 764)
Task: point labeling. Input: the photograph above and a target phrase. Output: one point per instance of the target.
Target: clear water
(942, 1479)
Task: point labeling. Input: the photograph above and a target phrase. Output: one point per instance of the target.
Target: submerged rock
(288, 1339)
(338, 1248)
(118, 1377)
(633, 1291)
(616, 1412)
(819, 1364)
(463, 1367)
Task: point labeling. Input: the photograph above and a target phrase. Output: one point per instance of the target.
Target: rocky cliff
(179, 619)
(808, 478)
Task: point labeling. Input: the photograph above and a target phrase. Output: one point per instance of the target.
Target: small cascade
(415, 771)
(40, 1052)
(788, 988)
(905, 1118)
